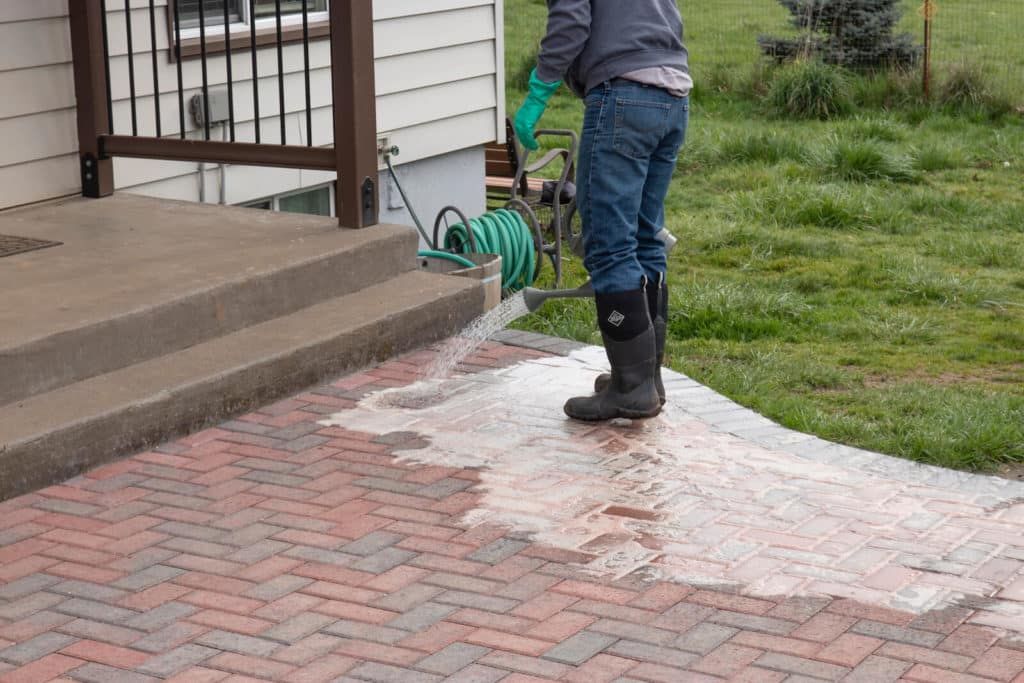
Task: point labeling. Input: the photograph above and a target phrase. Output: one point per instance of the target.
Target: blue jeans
(631, 139)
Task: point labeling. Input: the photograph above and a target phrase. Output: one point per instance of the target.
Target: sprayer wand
(535, 298)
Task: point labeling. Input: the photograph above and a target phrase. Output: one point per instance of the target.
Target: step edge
(44, 351)
(76, 391)
(297, 369)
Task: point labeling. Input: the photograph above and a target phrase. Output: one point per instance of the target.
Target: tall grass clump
(934, 157)
(864, 161)
(768, 147)
(810, 89)
(887, 89)
(964, 86)
(967, 87)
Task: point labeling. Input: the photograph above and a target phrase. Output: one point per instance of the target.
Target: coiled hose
(501, 232)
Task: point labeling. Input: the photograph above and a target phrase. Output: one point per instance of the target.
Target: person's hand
(533, 108)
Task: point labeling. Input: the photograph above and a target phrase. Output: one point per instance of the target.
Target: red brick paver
(275, 548)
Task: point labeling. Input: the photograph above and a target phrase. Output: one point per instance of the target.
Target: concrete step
(58, 434)
(137, 278)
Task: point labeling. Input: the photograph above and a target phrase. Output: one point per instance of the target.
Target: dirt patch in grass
(1014, 472)
(1010, 374)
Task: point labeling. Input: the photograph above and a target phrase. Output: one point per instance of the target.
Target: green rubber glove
(533, 108)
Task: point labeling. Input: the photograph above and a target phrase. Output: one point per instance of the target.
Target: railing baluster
(177, 59)
(106, 68)
(156, 68)
(280, 72)
(255, 68)
(131, 64)
(202, 60)
(305, 54)
(227, 58)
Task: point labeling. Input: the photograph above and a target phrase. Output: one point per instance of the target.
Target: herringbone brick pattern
(273, 548)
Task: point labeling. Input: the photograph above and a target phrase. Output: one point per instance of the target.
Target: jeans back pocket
(639, 126)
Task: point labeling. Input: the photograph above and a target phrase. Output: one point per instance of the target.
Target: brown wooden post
(91, 96)
(355, 112)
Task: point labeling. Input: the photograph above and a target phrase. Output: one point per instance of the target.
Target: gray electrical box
(218, 104)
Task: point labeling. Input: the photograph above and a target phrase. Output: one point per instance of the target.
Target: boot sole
(622, 414)
(639, 414)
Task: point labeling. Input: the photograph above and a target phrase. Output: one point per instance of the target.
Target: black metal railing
(350, 32)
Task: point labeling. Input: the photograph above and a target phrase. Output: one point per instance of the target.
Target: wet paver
(382, 529)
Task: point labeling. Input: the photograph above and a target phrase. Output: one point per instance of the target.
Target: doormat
(11, 245)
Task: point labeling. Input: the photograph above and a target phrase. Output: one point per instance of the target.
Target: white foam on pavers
(727, 510)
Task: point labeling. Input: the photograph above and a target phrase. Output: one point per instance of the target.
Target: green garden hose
(447, 256)
(500, 232)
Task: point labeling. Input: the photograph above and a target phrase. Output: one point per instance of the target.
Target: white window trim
(242, 26)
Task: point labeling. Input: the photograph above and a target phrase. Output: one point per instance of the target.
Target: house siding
(438, 77)
(37, 117)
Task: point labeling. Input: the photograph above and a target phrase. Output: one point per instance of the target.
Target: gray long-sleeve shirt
(592, 41)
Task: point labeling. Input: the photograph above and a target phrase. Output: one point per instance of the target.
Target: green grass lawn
(861, 279)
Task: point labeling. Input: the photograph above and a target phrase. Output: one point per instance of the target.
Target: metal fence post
(87, 49)
(355, 112)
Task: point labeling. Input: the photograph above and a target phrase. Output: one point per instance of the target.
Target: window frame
(241, 32)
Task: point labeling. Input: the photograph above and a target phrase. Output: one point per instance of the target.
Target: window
(318, 201)
(266, 8)
(245, 12)
(315, 202)
(213, 11)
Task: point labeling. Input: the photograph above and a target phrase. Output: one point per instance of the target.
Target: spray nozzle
(535, 298)
(668, 238)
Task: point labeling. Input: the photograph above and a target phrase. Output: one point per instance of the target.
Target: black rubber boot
(631, 390)
(657, 303)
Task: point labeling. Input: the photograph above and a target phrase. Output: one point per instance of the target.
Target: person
(628, 63)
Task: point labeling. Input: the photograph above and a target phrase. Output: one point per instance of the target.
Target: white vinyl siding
(438, 77)
(37, 115)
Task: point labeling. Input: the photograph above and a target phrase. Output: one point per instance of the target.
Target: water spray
(535, 298)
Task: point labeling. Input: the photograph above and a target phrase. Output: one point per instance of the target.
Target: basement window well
(317, 201)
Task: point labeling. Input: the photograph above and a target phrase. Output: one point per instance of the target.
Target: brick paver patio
(469, 532)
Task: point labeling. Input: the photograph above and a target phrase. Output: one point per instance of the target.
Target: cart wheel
(572, 229)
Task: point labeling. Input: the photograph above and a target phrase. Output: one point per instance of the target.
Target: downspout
(221, 168)
(202, 182)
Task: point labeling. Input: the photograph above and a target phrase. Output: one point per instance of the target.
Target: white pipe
(223, 168)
